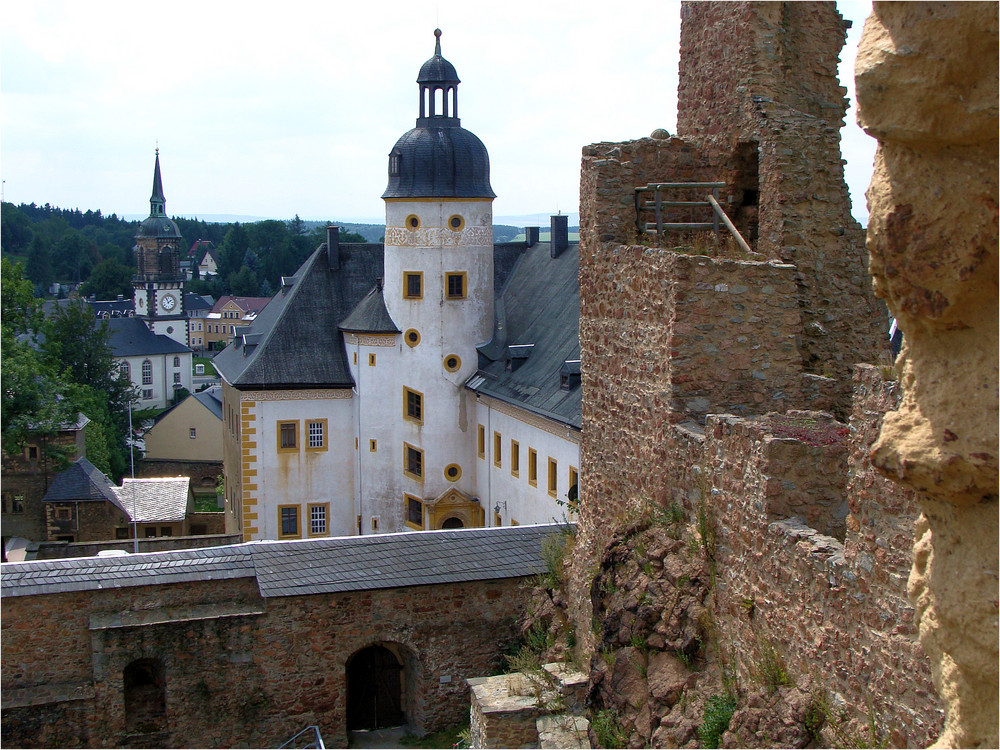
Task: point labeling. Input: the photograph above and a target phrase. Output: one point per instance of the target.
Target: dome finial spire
(437, 42)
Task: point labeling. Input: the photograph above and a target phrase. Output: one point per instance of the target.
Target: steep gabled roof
(295, 341)
(540, 304)
(129, 337)
(82, 482)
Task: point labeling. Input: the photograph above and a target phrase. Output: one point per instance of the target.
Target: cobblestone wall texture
(239, 669)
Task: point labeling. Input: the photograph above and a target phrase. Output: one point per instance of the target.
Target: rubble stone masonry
(239, 670)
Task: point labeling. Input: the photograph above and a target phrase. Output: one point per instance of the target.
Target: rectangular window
(177, 377)
(413, 285)
(123, 533)
(413, 462)
(288, 521)
(481, 444)
(497, 520)
(373, 446)
(532, 467)
(193, 433)
(413, 405)
(317, 518)
(497, 449)
(149, 532)
(572, 493)
(64, 513)
(147, 394)
(375, 523)
(371, 360)
(515, 458)
(288, 436)
(414, 512)
(316, 429)
(454, 285)
(355, 357)
(166, 531)
(553, 476)
(31, 453)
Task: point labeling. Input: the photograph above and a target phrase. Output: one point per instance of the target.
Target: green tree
(243, 283)
(15, 229)
(108, 279)
(39, 267)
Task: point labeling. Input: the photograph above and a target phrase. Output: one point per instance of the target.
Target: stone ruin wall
(927, 81)
(642, 347)
(765, 73)
(834, 609)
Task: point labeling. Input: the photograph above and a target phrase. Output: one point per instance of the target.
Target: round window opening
(453, 472)
(412, 337)
(412, 222)
(170, 329)
(456, 223)
(452, 363)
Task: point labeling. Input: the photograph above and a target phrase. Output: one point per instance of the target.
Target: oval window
(412, 337)
(452, 363)
(412, 222)
(452, 472)
(456, 223)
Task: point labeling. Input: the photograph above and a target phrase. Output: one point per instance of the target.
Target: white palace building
(433, 382)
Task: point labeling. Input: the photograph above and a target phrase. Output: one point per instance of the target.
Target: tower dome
(438, 158)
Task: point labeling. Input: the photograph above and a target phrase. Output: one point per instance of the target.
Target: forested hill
(94, 250)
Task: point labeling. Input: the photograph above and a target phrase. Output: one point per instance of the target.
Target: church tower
(159, 283)
(438, 291)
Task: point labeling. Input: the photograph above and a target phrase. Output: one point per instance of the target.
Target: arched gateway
(375, 689)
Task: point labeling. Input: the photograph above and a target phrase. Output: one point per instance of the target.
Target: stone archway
(376, 677)
(145, 688)
(453, 509)
(453, 523)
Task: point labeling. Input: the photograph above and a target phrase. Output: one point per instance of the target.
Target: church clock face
(169, 302)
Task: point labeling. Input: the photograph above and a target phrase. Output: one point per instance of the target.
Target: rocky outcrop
(927, 79)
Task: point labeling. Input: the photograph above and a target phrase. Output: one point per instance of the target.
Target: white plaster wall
(524, 503)
(163, 377)
(303, 476)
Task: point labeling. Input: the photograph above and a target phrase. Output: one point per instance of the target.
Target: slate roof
(300, 567)
(82, 482)
(246, 304)
(540, 305)
(211, 399)
(129, 337)
(154, 500)
(370, 315)
(295, 341)
(193, 302)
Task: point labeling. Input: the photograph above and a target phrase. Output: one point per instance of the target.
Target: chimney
(559, 237)
(333, 246)
(531, 236)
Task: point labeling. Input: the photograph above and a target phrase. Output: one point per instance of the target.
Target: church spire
(157, 203)
(438, 82)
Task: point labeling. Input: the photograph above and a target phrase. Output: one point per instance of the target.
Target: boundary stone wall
(240, 668)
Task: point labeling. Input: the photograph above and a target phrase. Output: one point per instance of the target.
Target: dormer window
(569, 374)
(394, 164)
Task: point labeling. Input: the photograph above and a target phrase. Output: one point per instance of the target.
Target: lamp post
(131, 458)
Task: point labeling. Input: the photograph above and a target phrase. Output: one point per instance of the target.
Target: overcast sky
(272, 109)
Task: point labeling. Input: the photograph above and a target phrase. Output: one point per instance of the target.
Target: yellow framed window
(288, 522)
(553, 476)
(497, 449)
(413, 462)
(497, 520)
(413, 405)
(288, 436)
(515, 458)
(455, 283)
(414, 509)
(481, 442)
(413, 285)
(532, 467)
(316, 430)
(371, 360)
(573, 493)
(319, 514)
(373, 446)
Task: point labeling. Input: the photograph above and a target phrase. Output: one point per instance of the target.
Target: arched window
(125, 370)
(145, 687)
(147, 372)
(177, 361)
